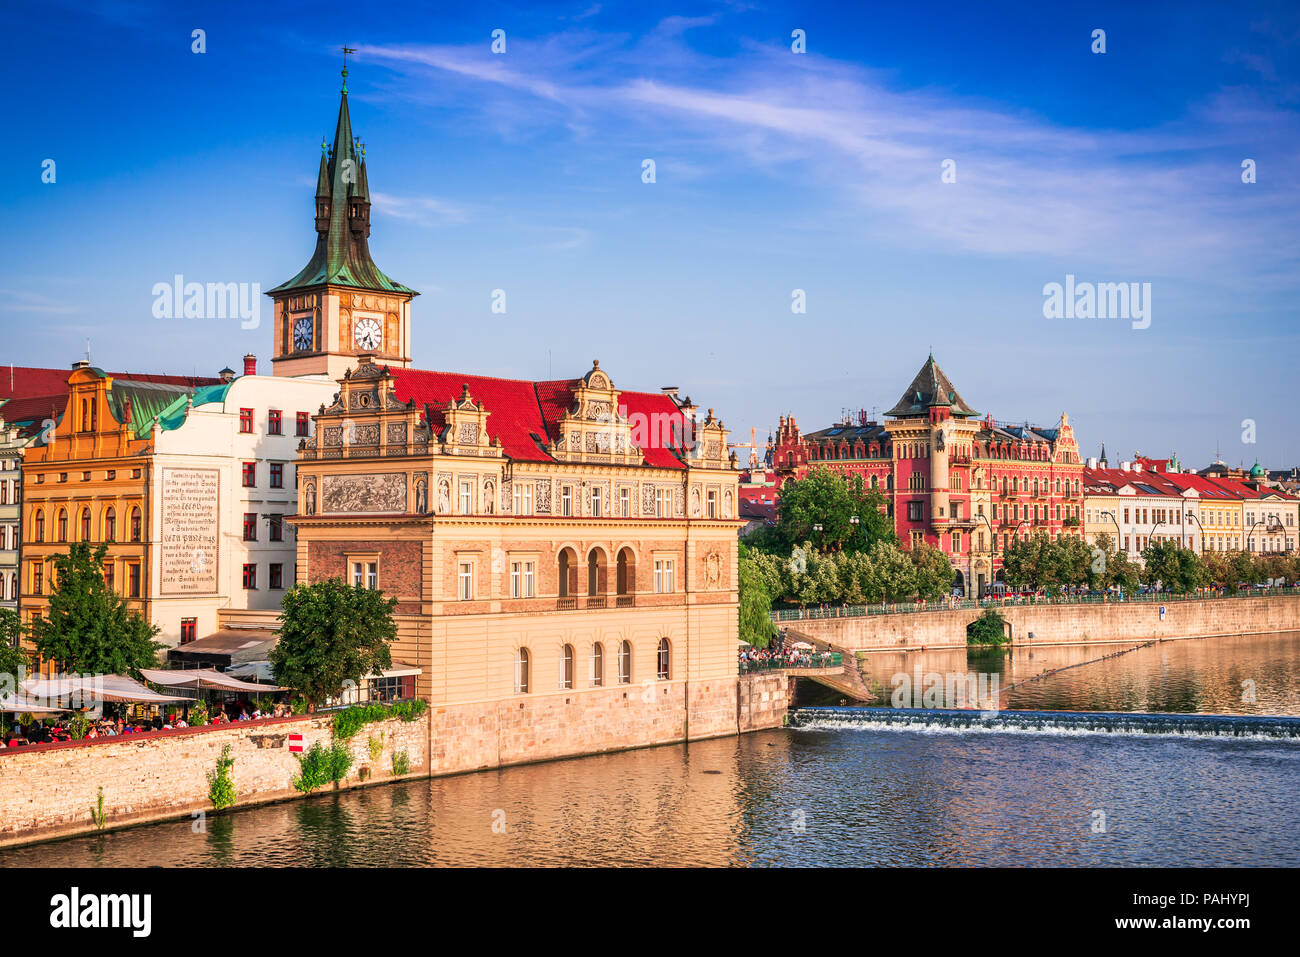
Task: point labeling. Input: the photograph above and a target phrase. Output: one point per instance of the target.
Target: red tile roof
(525, 415)
(24, 382)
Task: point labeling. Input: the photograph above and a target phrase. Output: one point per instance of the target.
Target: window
(595, 502)
(63, 525)
(522, 498)
(39, 533)
(566, 500)
(133, 579)
(625, 663)
(108, 574)
(956, 543)
(521, 579)
(85, 476)
(303, 423)
(38, 578)
(250, 526)
(245, 420)
(711, 505)
(597, 665)
(913, 511)
(465, 581)
(110, 525)
(277, 475)
(276, 528)
(86, 534)
(136, 529)
(273, 426)
(250, 576)
(664, 660)
(663, 575)
(466, 497)
(624, 503)
(275, 575)
(566, 667)
(663, 502)
(110, 474)
(522, 661)
(250, 475)
(365, 575)
(88, 409)
(189, 630)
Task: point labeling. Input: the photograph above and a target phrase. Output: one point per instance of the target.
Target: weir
(1112, 722)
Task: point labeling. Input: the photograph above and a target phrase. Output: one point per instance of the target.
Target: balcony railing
(566, 604)
(596, 601)
(625, 601)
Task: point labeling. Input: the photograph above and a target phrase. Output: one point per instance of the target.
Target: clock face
(302, 333)
(367, 334)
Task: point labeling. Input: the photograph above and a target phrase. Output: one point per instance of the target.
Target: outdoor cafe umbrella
(204, 679)
(94, 688)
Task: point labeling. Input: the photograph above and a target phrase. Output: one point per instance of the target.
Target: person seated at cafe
(243, 714)
(179, 722)
(157, 722)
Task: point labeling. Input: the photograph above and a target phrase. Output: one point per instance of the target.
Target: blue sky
(775, 171)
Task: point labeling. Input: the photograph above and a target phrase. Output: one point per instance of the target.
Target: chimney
(81, 364)
(1092, 462)
(227, 374)
(250, 364)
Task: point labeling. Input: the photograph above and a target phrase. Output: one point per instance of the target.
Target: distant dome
(1257, 471)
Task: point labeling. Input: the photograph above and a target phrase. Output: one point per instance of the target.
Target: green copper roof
(931, 387)
(342, 255)
(173, 416)
(147, 400)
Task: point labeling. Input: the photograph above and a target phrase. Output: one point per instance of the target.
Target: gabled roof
(929, 388)
(525, 415)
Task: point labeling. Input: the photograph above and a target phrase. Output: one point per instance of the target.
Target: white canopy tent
(205, 679)
(91, 690)
(17, 704)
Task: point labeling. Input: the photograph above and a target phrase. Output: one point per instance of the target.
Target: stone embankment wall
(1063, 624)
(49, 791)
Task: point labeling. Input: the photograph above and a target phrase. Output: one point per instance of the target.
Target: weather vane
(346, 51)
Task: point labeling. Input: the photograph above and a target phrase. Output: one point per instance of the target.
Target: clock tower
(340, 305)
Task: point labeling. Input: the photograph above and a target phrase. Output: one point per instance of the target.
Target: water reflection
(834, 796)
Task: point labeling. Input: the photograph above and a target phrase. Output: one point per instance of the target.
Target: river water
(833, 795)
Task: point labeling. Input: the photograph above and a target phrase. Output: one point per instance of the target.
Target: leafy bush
(322, 765)
(221, 790)
(199, 714)
(351, 720)
(401, 763)
(376, 747)
(79, 726)
(988, 629)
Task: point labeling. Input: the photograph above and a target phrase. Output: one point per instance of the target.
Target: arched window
(110, 525)
(136, 530)
(597, 665)
(595, 572)
(875, 481)
(664, 659)
(625, 574)
(625, 663)
(86, 534)
(63, 525)
(38, 531)
(521, 671)
(566, 667)
(568, 577)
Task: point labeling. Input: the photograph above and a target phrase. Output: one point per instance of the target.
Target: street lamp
(1195, 518)
(855, 522)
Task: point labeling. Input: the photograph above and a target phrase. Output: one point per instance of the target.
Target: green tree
(88, 627)
(330, 633)
(934, 572)
(1172, 567)
(1243, 568)
(12, 657)
(826, 498)
(895, 574)
(756, 625)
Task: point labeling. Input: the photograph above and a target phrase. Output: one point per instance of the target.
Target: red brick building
(964, 484)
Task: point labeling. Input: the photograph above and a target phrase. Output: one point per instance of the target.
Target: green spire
(342, 255)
